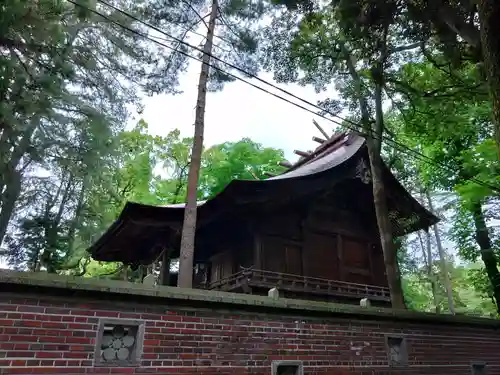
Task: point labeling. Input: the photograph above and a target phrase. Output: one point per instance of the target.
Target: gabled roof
(147, 229)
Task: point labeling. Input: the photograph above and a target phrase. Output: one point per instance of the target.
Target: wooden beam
(319, 140)
(302, 153)
(325, 134)
(285, 164)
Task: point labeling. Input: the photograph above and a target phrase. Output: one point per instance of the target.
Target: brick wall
(53, 335)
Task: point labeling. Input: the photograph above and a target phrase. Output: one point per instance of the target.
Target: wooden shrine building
(311, 231)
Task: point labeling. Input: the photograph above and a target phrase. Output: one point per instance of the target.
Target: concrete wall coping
(52, 283)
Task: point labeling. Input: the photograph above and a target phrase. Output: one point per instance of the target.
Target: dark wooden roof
(142, 232)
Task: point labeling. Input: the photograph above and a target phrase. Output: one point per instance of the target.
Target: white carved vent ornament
(117, 343)
(397, 351)
(363, 171)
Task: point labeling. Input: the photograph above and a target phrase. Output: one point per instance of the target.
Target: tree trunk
(487, 254)
(427, 256)
(52, 231)
(442, 258)
(430, 272)
(8, 201)
(189, 224)
(374, 144)
(10, 174)
(75, 224)
(10, 165)
(489, 19)
(385, 228)
(443, 11)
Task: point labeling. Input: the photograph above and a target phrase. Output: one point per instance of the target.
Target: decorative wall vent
(287, 368)
(119, 343)
(396, 351)
(478, 368)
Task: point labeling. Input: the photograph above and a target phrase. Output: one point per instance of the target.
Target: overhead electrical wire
(356, 127)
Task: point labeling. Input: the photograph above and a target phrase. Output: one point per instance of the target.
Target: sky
(238, 111)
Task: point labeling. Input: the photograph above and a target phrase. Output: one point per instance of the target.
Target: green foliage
(438, 106)
(468, 292)
(69, 77)
(244, 160)
(72, 209)
(67, 80)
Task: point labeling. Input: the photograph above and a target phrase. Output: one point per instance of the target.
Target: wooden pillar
(340, 247)
(257, 255)
(165, 268)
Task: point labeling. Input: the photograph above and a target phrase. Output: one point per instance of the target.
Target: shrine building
(308, 235)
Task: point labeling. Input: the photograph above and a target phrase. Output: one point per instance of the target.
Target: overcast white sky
(238, 111)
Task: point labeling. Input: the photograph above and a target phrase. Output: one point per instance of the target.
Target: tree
(189, 224)
(240, 50)
(447, 117)
(465, 30)
(333, 43)
(244, 160)
(64, 66)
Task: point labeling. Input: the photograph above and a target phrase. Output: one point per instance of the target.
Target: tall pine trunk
(190, 211)
(442, 258)
(489, 19)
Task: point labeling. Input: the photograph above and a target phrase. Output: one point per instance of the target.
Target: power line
(394, 143)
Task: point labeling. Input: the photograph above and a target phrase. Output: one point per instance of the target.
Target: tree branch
(405, 48)
(457, 24)
(202, 19)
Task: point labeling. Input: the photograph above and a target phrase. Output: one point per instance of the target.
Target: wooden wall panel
(287, 226)
(273, 254)
(321, 258)
(281, 255)
(378, 266)
(356, 260)
(355, 253)
(293, 259)
(221, 266)
(358, 278)
(329, 243)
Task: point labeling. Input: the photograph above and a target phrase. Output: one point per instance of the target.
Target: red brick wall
(48, 335)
